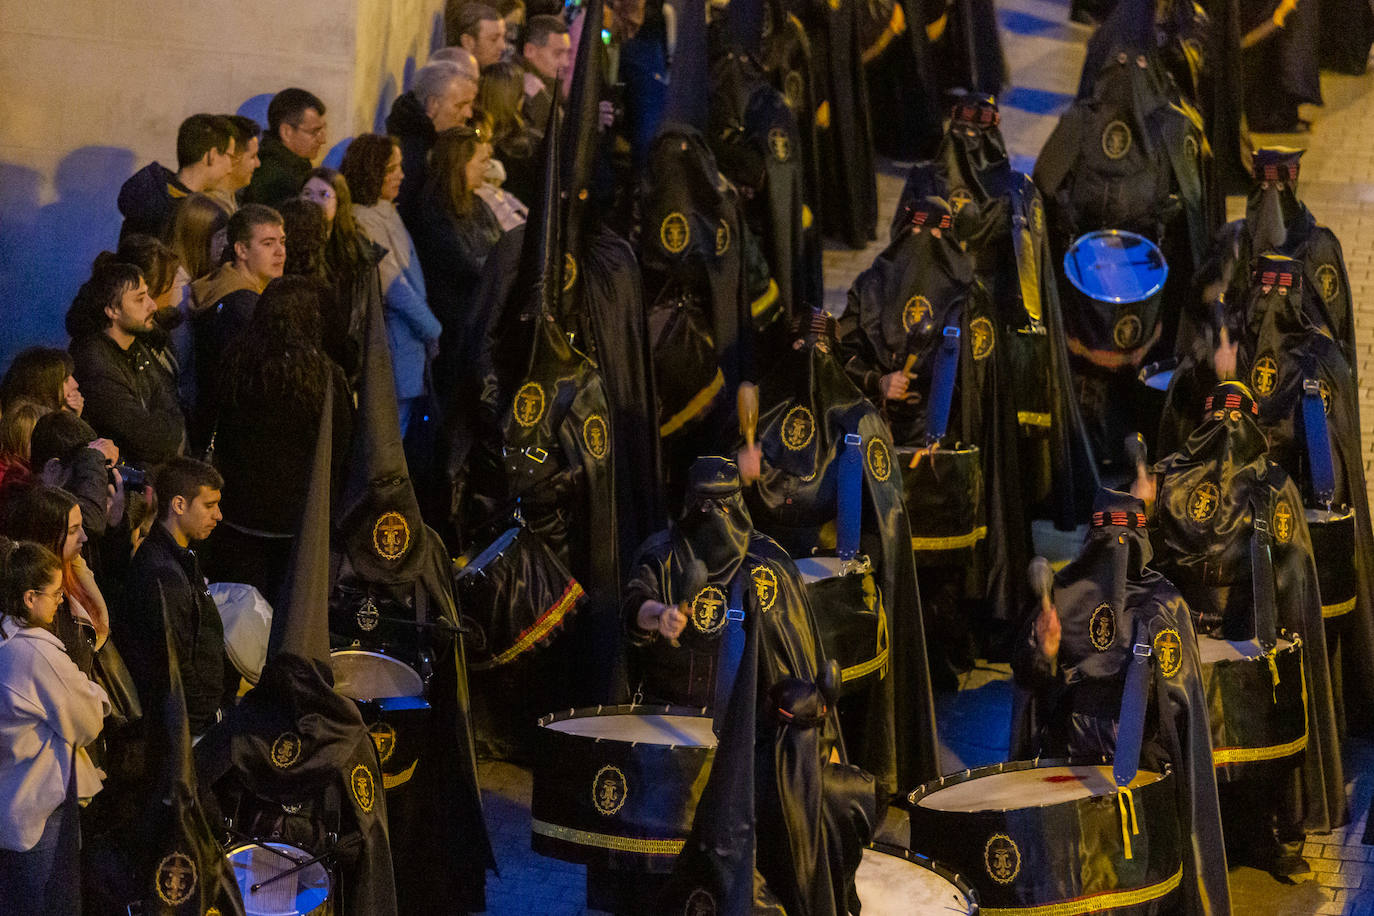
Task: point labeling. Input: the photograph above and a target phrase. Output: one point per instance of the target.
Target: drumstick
(1042, 581)
(1135, 454)
(747, 404)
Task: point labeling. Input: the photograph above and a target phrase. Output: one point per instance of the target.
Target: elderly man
(439, 98)
(296, 132)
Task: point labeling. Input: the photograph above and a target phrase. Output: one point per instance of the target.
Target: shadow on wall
(46, 252)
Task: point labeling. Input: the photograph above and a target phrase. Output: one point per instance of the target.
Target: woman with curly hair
(272, 392)
(372, 166)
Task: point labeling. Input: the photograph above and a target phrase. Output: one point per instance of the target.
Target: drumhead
(1030, 787)
(813, 569)
(362, 675)
(892, 884)
(640, 728)
(1111, 265)
(298, 894)
(1211, 650)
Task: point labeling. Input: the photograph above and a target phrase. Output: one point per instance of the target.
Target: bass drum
(618, 786)
(850, 617)
(892, 881)
(1333, 549)
(303, 892)
(1055, 835)
(390, 695)
(1255, 704)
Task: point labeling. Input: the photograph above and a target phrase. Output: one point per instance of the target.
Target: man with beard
(1005, 234)
(1230, 533)
(1076, 697)
(748, 581)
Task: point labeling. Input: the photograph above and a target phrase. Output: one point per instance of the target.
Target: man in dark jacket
(205, 150)
(547, 53)
(129, 397)
(166, 569)
(440, 97)
(296, 132)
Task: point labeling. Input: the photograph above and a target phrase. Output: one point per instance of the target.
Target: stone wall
(95, 90)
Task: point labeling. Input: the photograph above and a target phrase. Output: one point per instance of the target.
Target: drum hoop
(1338, 514)
(953, 877)
(357, 650)
(1293, 639)
(591, 712)
(939, 449)
(924, 790)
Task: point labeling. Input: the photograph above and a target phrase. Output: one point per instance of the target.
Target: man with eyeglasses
(296, 132)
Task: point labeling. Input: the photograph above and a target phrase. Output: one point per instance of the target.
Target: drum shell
(398, 725)
(662, 786)
(1255, 723)
(945, 501)
(1066, 850)
(957, 897)
(1333, 549)
(852, 624)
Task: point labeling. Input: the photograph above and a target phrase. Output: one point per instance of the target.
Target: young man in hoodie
(296, 132)
(205, 150)
(440, 97)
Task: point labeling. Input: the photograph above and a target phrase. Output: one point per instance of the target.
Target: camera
(134, 478)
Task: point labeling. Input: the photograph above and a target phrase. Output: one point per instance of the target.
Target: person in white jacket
(49, 713)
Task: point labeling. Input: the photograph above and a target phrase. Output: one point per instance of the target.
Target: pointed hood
(539, 278)
(689, 78)
(301, 625)
(581, 139)
(378, 517)
(973, 147)
(1273, 204)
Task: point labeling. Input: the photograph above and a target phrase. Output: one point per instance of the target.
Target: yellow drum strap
(1129, 825)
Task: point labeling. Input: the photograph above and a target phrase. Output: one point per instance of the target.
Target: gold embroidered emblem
(609, 790)
(674, 233)
(1264, 377)
(794, 89)
(1328, 282)
(1116, 140)
(175, 879)
(1002, 858)
(529, 404)
(798, 428)
(595, 436)
(1202, 502)
(779, 144)
(364, 787)
(1126, 334)
(981, 343)
(1102, 627)
(879, 459)
(1283, 522)
(213, 911)
(1168, 651)
(569, 271)
(384, 738)
(708, 610)
(286, 750)
(958, 198)
(765, 586)
(700, 903)
(916, 310)
(722, 238)
(366, 616)
(391, 536)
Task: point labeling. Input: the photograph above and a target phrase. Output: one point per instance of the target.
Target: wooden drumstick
(1135, 454)
(1042, 581)
(747, 404)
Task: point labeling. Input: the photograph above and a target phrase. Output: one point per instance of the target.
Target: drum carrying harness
(942, 385)
(1318, 443)
(1262, 580)
(1131, 732)
(849, 516)
(731, 649)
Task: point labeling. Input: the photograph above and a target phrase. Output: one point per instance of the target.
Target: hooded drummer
(1076, 695)
(1229, 531)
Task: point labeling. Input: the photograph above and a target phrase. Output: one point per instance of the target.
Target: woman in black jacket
(272, 392)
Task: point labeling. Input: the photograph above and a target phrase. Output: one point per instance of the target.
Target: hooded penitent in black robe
(293, 760)
(1280, 344)
(1109, 599)
(1280, 66)
(1345, 36)
(1208, 493)
(786, 736)
(807, 405)
(1006, 235)
(898, 311)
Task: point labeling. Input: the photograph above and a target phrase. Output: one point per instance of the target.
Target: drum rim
(641, 709)
(910, 449)
(359, 650)
(1122, 233)
(953, 877)
(1341, 514)
(1294, 641)
(915, 796)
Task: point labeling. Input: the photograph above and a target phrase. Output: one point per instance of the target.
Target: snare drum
(302, 893)
(1054, 834)
(390, 696)
(850, 617)
(896, 882)
(1255, 703)
(944, 497)
(618, 786)
(1333, 549)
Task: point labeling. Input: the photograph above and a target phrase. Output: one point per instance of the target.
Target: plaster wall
(92, 90)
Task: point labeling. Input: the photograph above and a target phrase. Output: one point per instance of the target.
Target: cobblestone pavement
(1045, 55)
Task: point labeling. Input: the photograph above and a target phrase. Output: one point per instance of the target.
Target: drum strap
(1318, 443)
(731, 652)
(1130, 729)
(1262, 576)
(942, 385)
(1024, 243)
(850, 515)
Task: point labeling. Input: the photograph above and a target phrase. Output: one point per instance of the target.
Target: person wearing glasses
(296, 132)
(49, 713)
